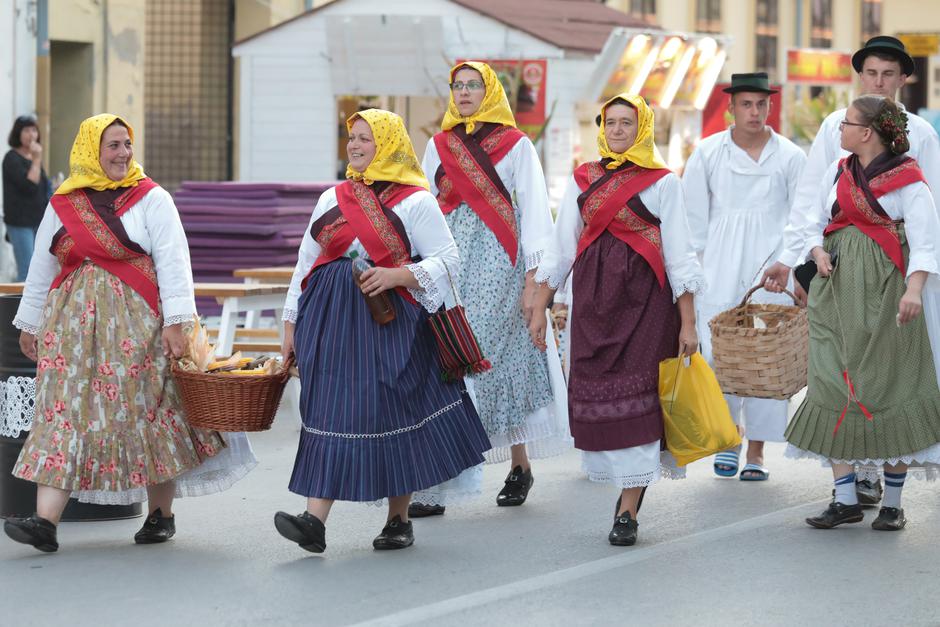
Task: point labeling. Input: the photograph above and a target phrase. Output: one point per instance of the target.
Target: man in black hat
(739, 185)
(883, 66)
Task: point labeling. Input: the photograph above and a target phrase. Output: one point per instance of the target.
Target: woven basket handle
(750, 292)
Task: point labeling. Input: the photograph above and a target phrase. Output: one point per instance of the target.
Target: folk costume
(378, 420)
(622, 231)
(111, 269)
(489, 184)
(737, 209)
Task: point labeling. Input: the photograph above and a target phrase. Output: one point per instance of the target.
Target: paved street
(711, 552)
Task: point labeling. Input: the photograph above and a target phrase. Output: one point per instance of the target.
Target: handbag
(457, 346)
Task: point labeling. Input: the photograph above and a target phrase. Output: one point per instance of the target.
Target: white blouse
(429, 236)
(664, 200)
(154, 225)
(912, 203)
(521, 173)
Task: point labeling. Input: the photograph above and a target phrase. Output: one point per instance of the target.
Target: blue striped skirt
(378, 420)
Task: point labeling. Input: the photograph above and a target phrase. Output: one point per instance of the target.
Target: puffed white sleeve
(563, 246)
(170, 253)
(804, 232)
(822, 154)
(682, 266)
(432, 240)
(532, 200)
(697, 198)
(306, 256)
(430, 164)
(922, 227)
(43, 269)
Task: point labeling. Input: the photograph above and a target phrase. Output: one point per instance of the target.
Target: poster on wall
(715, 116)
(810, 66)
(524, 82)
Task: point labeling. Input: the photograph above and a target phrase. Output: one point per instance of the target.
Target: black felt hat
(755, 81)
(884, 44)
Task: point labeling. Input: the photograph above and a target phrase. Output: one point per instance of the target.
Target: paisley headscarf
(395, 160)
(85, 169)
(643, 152)
(495, 105)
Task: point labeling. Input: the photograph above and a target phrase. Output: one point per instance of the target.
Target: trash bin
(18, 497)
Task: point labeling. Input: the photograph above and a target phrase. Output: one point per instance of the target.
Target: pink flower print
(127, 346)
(50, 463)
(58, 460)
(90, 307)
(44, 364)
(148, 362)
(67, 425)
(59, 407)
(110, 467)
(106, 369)
(116, 286)
(50, 415)
(35, 456)
(161, 468)
(208, 449)
(97, 385)
(111, 391)
(26, 472)
(137, 478)
(134, 371)
(85, 483)
(151, 415)
(67, 284)
(60, 363)
(90, 465)
(49, 339)
(83, 319)
(57, 438)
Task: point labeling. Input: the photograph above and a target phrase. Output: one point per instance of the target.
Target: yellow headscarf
(643, 152)
(395, 160)
(495, 105)
(84, 161)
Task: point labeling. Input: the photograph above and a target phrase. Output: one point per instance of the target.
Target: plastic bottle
(380, 306)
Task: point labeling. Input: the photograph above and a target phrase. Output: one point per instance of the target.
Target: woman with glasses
(489, 184)
(25, 190)
(622, 235)
(872, 395)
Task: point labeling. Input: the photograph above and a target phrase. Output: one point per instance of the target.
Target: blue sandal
(754, 472)
(726, 463)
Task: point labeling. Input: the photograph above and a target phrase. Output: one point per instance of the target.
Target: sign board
(524, 82)
(921, 44)
(811, 66)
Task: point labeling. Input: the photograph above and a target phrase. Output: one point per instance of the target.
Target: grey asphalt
(711, 552)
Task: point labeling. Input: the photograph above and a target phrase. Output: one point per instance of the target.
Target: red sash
(605, 206)
(363, 219)
(857, 209)
(88, 236)
(469, 176)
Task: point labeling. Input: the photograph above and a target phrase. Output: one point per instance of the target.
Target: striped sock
(894, 483)
(845, 490)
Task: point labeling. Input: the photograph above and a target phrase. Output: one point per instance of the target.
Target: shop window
(644, 10)
(871, 19)
(820, 27)
(766, 31)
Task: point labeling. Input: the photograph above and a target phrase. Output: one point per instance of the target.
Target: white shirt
(521, 174)
(827, 149)
(737, 209)
(912, 203)
(154, 225)
(429, 236)
(664, 200)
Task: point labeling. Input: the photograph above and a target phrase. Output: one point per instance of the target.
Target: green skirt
(852, 326)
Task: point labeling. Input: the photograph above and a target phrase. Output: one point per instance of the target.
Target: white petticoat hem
(465, 486)
(924, 464)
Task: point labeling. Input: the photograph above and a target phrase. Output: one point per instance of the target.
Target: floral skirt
(108, 414)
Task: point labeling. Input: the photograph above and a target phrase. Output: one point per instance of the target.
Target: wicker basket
(766, 362)
(224, 402)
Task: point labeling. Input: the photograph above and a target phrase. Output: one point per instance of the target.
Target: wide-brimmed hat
(753, 81)
(885, 45)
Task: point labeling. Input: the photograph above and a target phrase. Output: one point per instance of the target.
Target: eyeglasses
(845, 123)
(470, 85)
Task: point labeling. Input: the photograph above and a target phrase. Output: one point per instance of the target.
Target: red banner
(524, 82)
(809, 66)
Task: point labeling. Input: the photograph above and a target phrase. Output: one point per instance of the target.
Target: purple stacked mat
(232, 225)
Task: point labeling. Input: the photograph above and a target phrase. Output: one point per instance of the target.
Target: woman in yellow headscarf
(108, 291)
(622, 230)
(378, 420)
(489, 184)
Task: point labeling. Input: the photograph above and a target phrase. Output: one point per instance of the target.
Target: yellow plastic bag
(697, 420)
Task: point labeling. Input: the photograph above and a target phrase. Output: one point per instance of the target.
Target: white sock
(894, 483)
(845, 490)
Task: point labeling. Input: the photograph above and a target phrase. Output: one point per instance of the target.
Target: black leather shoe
(869, 493)
(890, 519)
(836, 514)
(420, 510)
(306, 530)
(395, 535)
(156, 529)
(624, 530)
(517, 488)
(35, 531)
